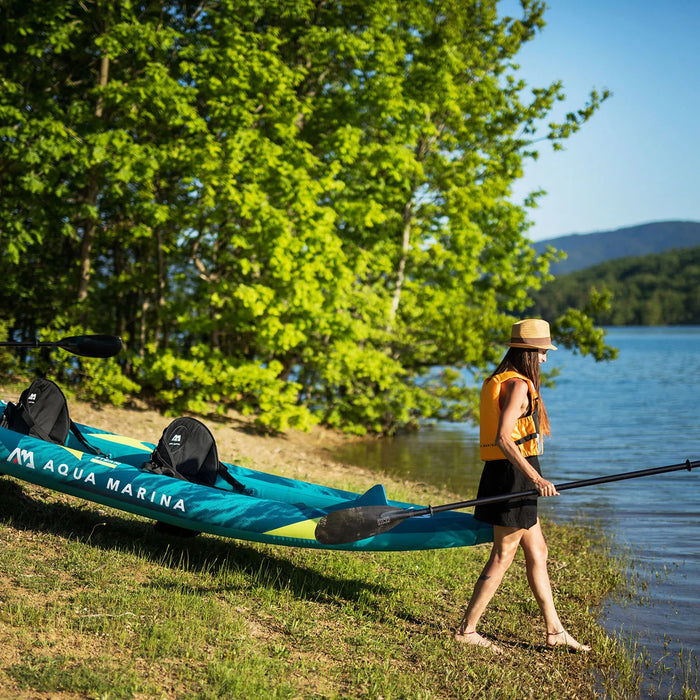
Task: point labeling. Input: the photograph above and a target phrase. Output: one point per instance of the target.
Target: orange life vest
(526, 433)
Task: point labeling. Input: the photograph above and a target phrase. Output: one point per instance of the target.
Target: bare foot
(475, 639)
(564, 639)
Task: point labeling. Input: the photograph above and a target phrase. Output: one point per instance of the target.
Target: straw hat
(531, 333)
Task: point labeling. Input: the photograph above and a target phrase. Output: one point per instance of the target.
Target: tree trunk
(401, 270)
(160, 292)
(92, 191)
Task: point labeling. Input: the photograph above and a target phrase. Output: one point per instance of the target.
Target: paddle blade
(91, 345)
(354, 524)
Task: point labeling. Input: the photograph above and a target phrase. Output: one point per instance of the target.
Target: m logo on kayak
(175, 441)
(26, 459)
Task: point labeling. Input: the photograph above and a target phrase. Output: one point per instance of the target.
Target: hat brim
(530, 346)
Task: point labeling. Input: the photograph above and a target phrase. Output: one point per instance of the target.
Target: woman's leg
(535, 549)
(505, 545)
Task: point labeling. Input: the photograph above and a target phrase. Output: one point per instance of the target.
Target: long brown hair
(526, 362)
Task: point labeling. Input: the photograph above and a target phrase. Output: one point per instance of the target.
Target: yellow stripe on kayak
(303, 530)
(76, 453)
(121, 440)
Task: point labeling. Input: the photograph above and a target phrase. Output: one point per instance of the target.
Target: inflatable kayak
(274, 509)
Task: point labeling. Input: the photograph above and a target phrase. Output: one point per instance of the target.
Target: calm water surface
(640, 411)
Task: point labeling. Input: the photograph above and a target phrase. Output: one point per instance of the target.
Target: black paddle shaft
(580, 483)
(84, 345)
(353, 524)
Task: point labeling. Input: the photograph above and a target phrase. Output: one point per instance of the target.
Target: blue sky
(638, 159)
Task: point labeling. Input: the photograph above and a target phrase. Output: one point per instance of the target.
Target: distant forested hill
(653, 290)
(586, 250)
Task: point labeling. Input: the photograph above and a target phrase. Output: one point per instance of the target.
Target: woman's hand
(545, 488)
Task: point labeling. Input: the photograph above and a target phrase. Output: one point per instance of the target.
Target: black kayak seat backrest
(187, 450)
(42, 412)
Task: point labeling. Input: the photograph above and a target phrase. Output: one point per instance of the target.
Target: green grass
(94, 603)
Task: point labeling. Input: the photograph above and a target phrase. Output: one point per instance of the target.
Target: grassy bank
(95, 603)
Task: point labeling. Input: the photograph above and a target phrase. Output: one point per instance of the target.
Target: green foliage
(652, 290)
(369, 392)
(309, 202)
(103, 381)
(7, 357)
(575, 329)
(205, 380)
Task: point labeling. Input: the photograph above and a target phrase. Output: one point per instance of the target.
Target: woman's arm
(514, 402)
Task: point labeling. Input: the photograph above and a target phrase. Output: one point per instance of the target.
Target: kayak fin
(376, 496)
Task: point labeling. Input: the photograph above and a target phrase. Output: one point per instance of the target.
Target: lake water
(640, 411)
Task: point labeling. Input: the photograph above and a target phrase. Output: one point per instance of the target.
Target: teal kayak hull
(276, 510)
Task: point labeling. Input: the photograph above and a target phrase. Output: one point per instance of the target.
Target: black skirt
(501, 477)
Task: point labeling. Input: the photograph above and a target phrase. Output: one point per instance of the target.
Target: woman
(512, 422)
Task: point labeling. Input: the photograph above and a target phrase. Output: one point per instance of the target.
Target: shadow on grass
(203, 554)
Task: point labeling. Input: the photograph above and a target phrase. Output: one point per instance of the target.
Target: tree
(299, 209)
(419, 114)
